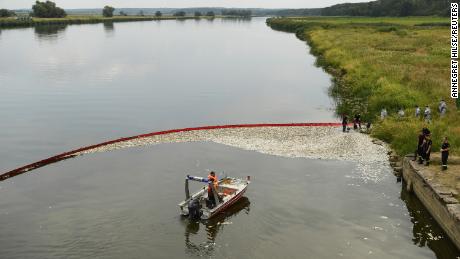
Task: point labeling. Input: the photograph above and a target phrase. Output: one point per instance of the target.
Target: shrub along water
(385, 63)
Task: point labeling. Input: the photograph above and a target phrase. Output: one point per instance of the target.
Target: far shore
(85, 19)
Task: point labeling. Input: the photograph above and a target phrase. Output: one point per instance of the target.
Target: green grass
(385, 62)
(410, 21)
(82, 19)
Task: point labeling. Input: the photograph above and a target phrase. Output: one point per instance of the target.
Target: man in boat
(212, 181)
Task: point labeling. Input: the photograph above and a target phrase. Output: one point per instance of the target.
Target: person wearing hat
(444, 153)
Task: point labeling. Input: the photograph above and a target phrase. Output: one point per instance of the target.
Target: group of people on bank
(425, 145)
(356, 122)
(442, 109)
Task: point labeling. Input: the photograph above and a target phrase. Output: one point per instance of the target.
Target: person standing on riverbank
(442, 108)
(357, 121)
(344, 122)
(419, 150)
(427, 145)
(427, 114)
(401, 113)
(444, 153)
(383, 114)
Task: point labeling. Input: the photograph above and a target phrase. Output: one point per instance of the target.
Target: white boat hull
(237, 187)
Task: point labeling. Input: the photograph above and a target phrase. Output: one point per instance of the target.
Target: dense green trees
(158, 14)
(390, 8)
(211, 14)
(108, 11)
(47, 9)
(198, 14)
(6, 13)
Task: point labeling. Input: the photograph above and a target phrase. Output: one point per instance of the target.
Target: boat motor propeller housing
(194, 210)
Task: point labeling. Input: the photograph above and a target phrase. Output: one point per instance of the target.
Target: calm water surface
(123, 204)
(68, 86)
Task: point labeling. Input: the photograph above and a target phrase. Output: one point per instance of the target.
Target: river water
(69, 86)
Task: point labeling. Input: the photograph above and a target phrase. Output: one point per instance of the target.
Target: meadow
(387, 63)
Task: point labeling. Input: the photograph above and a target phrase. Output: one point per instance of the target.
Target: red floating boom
(73, 153)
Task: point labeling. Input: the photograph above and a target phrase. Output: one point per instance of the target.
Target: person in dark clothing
(344, 122)
(427, 145)
(419, 150)
(426, 131)
(357, 121)
(445, 153)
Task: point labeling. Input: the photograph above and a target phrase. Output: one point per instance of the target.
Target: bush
(108, 11)
(47, 9)
(198, 14)
(158, 14)
(212, 14)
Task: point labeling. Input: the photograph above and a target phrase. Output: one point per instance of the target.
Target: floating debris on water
(296, 142)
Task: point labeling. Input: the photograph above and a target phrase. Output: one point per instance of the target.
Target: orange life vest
(214, 180)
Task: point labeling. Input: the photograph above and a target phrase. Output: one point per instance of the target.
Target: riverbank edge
(437, 199)
(440, 203)
(340, 89)
(12, 23)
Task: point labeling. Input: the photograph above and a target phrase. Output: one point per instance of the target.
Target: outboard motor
(194, 210)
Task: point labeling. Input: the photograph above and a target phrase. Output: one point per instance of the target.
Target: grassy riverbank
(385, 62)
(76, 19)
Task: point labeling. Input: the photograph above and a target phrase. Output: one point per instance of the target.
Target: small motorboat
(198, 206)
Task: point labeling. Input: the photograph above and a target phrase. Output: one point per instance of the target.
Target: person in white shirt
(427, 114)
(383, 113)
(401, 112)
(442, 108)
(417, 111)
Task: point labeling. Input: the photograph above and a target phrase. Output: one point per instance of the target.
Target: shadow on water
(426, 232)
(109, 28)
(212, 227)
(49, 32)
(236, 19)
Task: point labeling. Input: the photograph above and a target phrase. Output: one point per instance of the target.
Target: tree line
(6, 13)
(390, 8)
(48, 9)
(237, 12)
